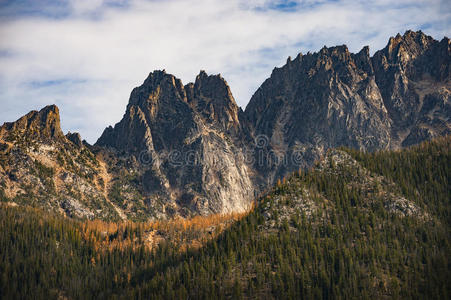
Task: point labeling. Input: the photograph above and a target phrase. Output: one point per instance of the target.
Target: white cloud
(99, 52)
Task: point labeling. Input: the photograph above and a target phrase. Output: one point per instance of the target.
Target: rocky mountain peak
(410, 71)
(214, 87)
(210, 96)
(156, 109)
(156, 84)
(75, 138)
(416, 53)
(403, 48)
(396, 98)
(43, 124)
(184, 140)
(334, 51)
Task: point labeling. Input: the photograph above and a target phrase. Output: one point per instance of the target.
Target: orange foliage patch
(185, 233)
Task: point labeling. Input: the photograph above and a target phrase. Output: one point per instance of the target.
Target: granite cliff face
(188, 141)
(332, 98)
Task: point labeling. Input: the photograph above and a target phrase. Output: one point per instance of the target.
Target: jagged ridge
(187, 139)
(189, 149)
(396, 98)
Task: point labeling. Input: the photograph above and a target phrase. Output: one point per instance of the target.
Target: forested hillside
(356, 225)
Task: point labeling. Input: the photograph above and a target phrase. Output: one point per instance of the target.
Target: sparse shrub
(43, 171)
(60, 159)
(3, 197)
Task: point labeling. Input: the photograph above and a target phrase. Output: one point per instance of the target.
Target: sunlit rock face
(188, 140)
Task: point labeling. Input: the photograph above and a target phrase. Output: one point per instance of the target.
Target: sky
(87, 55)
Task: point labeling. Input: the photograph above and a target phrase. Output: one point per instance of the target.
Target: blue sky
(87, 55)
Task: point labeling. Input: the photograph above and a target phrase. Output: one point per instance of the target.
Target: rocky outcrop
(75, 138)
(413, 75)
(187, 140)
(41, 167)
(43, 124)
(333, 98)
(211, 98)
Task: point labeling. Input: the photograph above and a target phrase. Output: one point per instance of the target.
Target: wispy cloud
(86, 56)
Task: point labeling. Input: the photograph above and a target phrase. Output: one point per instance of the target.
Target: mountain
(43, 124)
(188, 140)
(41, 167)
(397, 97)
(355, 225)
(185, 150)
(200, 153)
